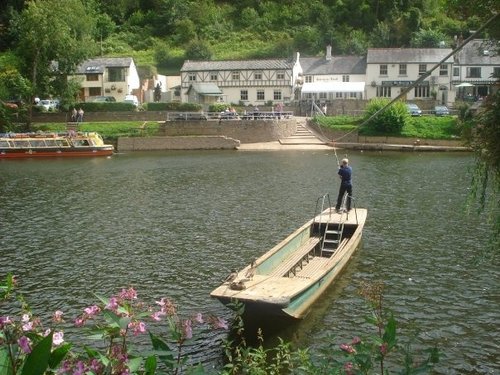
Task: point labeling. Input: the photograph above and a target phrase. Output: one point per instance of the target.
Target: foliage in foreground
(27, 347)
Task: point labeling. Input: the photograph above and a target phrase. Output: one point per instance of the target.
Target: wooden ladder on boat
(332, 237)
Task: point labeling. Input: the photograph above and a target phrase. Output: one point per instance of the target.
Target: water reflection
(175, 223)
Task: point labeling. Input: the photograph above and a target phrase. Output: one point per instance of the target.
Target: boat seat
(297, 259)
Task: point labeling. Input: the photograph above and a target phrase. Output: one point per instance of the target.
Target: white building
(389, 71)
(475, 68)
(107, 76)
(333, 77)
(245, 82)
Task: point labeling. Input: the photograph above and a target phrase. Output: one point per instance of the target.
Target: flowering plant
(27, 348)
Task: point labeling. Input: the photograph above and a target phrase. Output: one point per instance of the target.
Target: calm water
(175, 223)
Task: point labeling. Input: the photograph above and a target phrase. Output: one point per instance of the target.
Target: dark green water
(174, 224)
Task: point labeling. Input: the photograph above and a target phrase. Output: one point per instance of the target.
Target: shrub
(388, 122)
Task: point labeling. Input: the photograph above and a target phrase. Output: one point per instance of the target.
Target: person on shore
(80, 115)
(345, 174)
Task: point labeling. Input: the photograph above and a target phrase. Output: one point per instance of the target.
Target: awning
(206, 89)
(313, 87)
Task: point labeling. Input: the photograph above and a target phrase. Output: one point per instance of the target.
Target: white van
(131, 99)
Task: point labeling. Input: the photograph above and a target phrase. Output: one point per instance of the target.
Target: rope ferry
(43, 144)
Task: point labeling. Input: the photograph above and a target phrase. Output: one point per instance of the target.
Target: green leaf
(159, 344)
(150, 365)
(58, 355)
(390, 332)
(134, 364)
(38, 360)
(5, 365)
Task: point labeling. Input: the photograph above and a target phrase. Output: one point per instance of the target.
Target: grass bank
(425, 127)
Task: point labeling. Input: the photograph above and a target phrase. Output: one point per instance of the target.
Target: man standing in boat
(345, 174)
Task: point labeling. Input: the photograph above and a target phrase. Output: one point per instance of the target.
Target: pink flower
(92, 310)
(157, 315)
(347, 348)
(137, 327)
(167, 306)
(25, 344)
(129, 293)
(27, 326)
(112, 304)
(57, 317)
(187, 329)
(79, 322)
(58, 338)
(383, 348)
(4, 320)
(348, 367)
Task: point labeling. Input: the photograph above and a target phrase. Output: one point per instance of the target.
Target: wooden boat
(287, 279)
(43, 144)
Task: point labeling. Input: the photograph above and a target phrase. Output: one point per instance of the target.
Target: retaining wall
(176, 143)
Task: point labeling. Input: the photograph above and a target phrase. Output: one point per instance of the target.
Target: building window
(244, 95)
(277, 95)
(474, 72)
(496, 72)
(235, 76)
(422, 69)
(443, 70)
(213, 76)
(345, 78)
(92, 77)
(353, 95)
(422, 92)
(384, 91)
(322, 95)
(192, 77)
(339, 95)
(308, 95)
(116, 74)
(94, 91)
(280, 75)
(402, 70)
(260, 95)
(257, 76)
(456, 72)
(383, 69)
(308, 79)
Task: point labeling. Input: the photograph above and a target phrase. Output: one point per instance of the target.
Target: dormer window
(192, 77)
(235, 76)
(257, 76)
(280, 75)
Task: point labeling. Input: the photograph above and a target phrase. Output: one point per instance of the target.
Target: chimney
(328, 52)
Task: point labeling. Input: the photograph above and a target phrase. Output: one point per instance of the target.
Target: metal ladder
(332, 237)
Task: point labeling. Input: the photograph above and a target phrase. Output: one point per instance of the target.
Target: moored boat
(287, 279)
(45, 144)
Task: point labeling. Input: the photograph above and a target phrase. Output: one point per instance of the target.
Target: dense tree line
(284, 25)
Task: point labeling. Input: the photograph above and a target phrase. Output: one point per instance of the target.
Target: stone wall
(246, 131)
(176, 143)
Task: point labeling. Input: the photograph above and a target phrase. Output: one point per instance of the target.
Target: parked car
(190, 116)
(132, 99)
(104, 99)
(413, 109)
(47, 105)
(441, 110)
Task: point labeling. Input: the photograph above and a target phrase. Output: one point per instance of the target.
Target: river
(175, 223)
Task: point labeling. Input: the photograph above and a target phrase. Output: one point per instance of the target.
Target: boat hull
(273, 289)
(29, 154)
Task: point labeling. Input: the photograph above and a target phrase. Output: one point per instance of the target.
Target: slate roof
(479, 52)
(407, 55)
(98, 65)
(271, 64)
(336, 65)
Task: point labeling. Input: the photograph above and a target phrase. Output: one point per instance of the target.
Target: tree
(53, 36)
(428, 39)
(198, 50)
